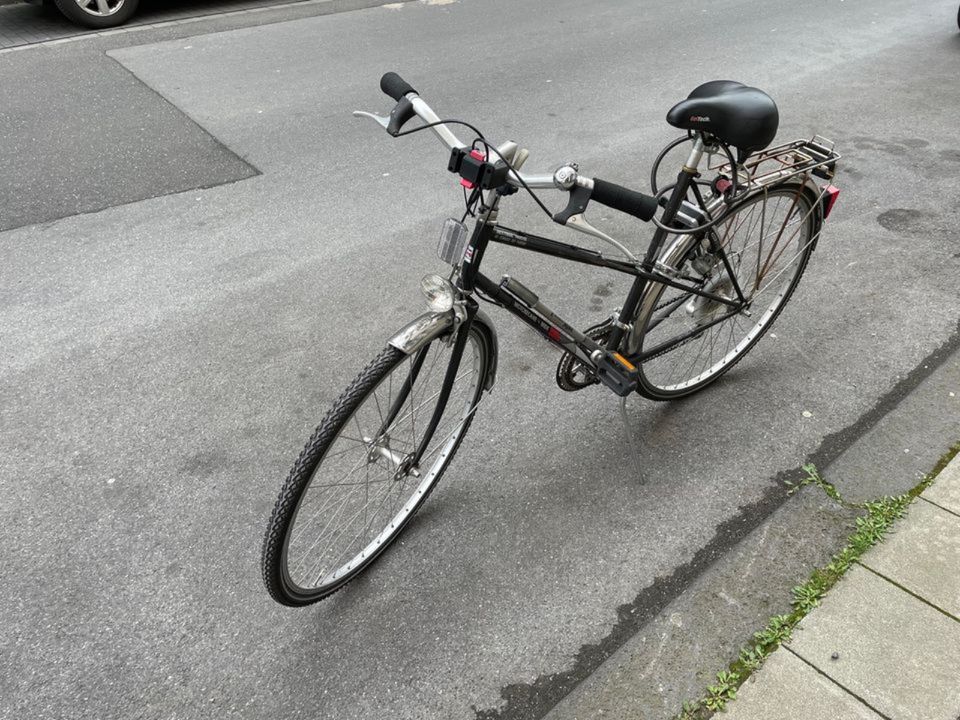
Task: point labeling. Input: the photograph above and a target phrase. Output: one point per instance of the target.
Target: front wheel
(356, 485)
(766, 240)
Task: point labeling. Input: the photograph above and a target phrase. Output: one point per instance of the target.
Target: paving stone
(945, 492)
(786, 687)
(895, 652)
(923, 555)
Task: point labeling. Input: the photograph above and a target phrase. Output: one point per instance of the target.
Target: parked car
(95, 13)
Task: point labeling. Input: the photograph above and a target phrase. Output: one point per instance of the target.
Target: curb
(886, 641)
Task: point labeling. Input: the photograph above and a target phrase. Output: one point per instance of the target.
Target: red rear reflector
(554, 334)
(831, 194)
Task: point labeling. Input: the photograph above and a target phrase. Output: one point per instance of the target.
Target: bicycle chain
(671, 349)
(568, 362)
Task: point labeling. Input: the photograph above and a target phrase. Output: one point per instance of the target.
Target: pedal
(618, 374)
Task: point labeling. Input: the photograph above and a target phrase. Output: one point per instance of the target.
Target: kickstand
(633, 440)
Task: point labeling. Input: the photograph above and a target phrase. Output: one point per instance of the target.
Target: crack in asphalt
(531, 701)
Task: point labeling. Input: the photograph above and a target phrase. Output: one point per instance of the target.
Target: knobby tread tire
(284, 511)
(300, 474)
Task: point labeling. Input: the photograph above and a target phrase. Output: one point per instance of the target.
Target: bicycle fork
(453, 367)
(410, 464)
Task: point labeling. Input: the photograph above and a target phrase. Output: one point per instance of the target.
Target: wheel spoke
(361, 489)
(766, 263)
(332, 497)
(764, 243)
(337, 529)
(785, 268)
(322, 561)
(346, 547)
(443, 441)
(399, 420)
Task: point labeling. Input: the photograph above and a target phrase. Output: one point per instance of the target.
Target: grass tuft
(871, 527)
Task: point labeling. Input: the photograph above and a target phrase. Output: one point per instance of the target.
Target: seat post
(685, 178)
(696, 153)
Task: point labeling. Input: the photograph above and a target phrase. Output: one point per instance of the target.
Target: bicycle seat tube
(684, 178)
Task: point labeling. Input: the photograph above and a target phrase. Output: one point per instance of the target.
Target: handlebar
(631, 202)
(395, 86)
(624, 199)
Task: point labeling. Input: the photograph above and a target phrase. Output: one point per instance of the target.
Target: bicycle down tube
(524, 304)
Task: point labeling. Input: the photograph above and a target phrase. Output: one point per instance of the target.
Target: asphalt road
(166, 351)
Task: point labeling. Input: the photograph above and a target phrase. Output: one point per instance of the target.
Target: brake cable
(488, 147)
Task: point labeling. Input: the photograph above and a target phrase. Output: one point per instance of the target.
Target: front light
(439, 292)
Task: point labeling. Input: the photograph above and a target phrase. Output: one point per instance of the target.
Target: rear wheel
(354, 487)
(98, 13)
(767, 239)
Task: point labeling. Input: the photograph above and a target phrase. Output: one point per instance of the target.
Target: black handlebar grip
(395, 86)
(623, 199)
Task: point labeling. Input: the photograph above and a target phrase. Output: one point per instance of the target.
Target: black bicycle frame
(519, 301)
(524, 304)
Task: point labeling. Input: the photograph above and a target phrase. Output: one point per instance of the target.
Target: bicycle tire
(658, 376)
(282, 527)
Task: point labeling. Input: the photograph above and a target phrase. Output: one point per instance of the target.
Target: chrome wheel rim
(342, 521)
(100, 8)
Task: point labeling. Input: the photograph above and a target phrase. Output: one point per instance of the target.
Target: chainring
(572, 374)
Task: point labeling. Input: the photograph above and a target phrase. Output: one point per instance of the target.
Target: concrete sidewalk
(886, 642)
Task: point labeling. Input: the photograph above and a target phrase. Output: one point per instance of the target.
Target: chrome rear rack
(815, 156)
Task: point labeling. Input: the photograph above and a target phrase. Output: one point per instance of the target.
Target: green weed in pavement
(871, 527)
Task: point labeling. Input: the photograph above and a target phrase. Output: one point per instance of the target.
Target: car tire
(90, 14)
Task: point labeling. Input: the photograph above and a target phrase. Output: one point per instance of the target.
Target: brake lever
(573, 217)
(378, 119)
(577, 205)
(400, 114)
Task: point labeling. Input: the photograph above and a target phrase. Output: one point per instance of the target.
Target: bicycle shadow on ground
(520, 514)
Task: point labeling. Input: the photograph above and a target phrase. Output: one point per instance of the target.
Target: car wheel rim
(100, 8)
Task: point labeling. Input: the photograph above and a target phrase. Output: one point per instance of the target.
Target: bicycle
(726, 256)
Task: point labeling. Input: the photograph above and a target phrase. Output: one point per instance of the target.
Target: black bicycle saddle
(741, 116)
